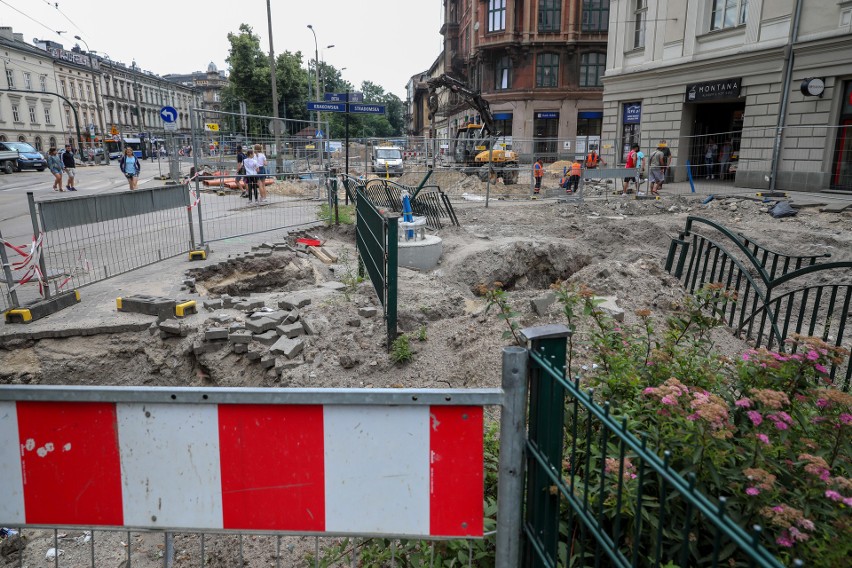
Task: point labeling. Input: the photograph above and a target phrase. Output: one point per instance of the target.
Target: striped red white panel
(379, 470)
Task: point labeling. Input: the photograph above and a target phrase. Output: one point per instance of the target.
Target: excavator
(473, 145)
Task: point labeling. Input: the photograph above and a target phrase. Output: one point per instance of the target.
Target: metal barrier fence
(376, 237)
(580, 511)
(777, 294)
(427, 201)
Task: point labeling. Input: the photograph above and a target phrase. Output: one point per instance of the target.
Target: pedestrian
(241, 171)
(635, 161)
(69, 167)
(667, 163)
(54, 164)
(710, 150)
(538, 172)
(725, 159)
(573, 182)
(261, 170)
(131, 167)
(250, 164)
(656, 169)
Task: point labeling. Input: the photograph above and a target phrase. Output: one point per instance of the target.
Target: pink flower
(846, 418)
(693, 417)
(833, 495)
(821, 369)
(745, 356)
(847, 501)
(752, 491)
(743, 403)
(821, 403)
(780, 425)
(755, 417)
(649, 390)
(763, 438)
(669, 400)
(785, 417)
(806, 524)
(812, 355)
(778, 508)
(825, 475)
(784, 540)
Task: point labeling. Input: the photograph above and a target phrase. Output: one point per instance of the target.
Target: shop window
(595, 15)
(547, 70)
(496, 15)
(549, 15)
(502, 74)
(592, 67)
(589, 126)
(728, 14)
(640, 17)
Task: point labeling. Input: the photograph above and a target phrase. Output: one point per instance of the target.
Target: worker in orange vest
(538, 172)
(573, 180)
(593, 159)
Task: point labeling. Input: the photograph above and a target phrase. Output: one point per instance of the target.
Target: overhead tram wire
(48, 28)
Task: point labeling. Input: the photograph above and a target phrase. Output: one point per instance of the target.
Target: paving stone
(213, 304)
(267, 362)
(215, 333)
(267, 337)
(240, 348)
(267, 245)
(367, 312)
(263, 253)
(201, 347)
(294, 301)
(277, 315)
(260, 325)
(247, 305)
(542, 304)
(236, 326)
(288, 347)
(223, 318)
(189, 282)
(282, 364)
(172, 327)
(333, 285)
(309, 326)
(227, 301)
(292, 317)
(252, 355)
(241, 336)
(291, 330)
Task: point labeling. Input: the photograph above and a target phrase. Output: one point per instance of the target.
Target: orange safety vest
(592, 160)
(576, 169)
(537, 172)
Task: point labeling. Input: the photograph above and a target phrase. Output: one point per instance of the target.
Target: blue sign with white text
(326, 107)
(168, 114)
(367, 109)
(632, 113)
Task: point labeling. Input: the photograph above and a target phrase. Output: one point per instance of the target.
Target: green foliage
(764, 431)
(421, 333)
(497, 297)
(349, 275)
(346, 213)
(401, 349)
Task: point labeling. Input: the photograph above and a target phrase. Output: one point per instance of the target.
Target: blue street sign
(326, 107)
(342, 98)
(367, 109)
(168, 114)
(318, 134)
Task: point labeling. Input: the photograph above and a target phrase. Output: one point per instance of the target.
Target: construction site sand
(616, 247)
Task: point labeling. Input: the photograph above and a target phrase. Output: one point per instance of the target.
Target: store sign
(632, 113)
(65, 55)
(712, 90)
(546, 115)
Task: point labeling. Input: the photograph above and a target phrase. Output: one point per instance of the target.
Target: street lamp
(316, 69)
(97, 79)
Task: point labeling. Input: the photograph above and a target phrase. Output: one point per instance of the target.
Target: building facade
(539, 63)
(209, 84)
(758, 90)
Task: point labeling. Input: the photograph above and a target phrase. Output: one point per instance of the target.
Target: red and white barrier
(347, 469)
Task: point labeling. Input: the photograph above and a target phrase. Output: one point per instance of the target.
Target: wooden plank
(320, 255)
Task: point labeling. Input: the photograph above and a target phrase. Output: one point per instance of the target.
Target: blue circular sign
(168, 114)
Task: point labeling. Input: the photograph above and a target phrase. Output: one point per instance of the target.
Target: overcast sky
(383, 41)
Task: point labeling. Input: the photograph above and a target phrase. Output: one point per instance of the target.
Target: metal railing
(376, 237)
(776, 294)
(596, 494)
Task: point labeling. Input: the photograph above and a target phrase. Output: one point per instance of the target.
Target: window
(43, 82)
(503, 74)
(28, 82)
(52, 142)
(728, 14)
(640, 14)
(547, 70)
(88, 91)
(549, 15)
(592, 67)
(73, 90)
(38, 145)
(16, 117)
(67, 117)
(47, 115)
(496, 15)
(10, 78)
(595, 15)
(32, 115)
(62, 88)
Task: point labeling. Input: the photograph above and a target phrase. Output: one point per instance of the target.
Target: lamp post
(276, 127)
(316, 69)
(98, 110)
(106, 57)
(136, 93)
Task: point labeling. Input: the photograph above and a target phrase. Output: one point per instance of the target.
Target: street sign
(326, 107)
(170, 126)
(168, 114)
(318, 134)
(113, 130)
(367, 109)
(211, 127)
(281, 126)
(342, 97)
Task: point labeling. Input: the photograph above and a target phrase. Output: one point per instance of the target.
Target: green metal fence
(597, 495)
(376, 237)
(777, 294)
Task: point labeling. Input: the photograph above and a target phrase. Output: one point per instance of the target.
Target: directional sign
(367, 109)
(326, 107)
(342, 97)
(168, 114)
(170, 126)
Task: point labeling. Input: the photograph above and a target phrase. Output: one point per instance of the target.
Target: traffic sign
(168, 114)
(211, 127)
(318, 134)
(113, 130)
(170, 126)
(367, 109)
(326, 107)
(344, 97)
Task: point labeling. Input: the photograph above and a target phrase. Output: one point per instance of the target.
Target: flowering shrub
(766, 431)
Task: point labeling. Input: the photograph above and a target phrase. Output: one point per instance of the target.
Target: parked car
(28, 157)
(8, 161)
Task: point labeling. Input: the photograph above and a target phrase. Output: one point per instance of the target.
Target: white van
(387, 159)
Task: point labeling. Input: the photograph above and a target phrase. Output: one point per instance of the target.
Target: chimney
(19, 37)
(6, 33)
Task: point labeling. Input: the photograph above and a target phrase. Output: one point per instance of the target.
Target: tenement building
(539, 63)
(757, 93)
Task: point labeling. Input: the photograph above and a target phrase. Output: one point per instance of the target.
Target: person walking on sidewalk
(69, 167)
(538, 172)
(261, 170)
(130, 166)
(250, 164)
(54, 164)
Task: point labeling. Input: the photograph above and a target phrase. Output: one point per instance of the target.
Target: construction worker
(538, 173)
(572, 183)
(593, 159)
